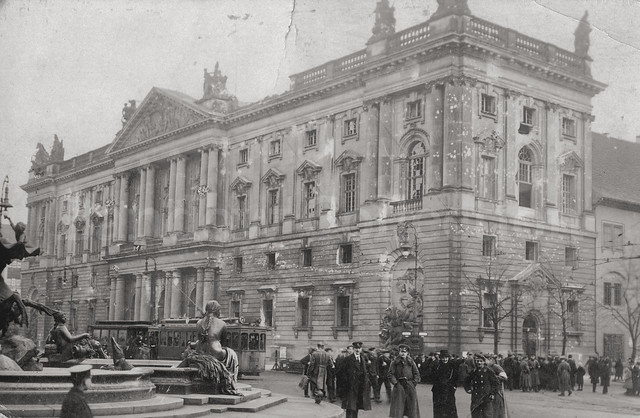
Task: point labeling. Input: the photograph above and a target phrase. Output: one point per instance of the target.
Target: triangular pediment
(240, 185)
(160, 113)
(534, 274)
(273, 177)
(570, 161)
(308, 170)
(348, 160)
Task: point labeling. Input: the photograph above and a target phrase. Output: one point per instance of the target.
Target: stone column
(199, 291)
(370, 166)
(149, 210)
(202, 200)
(167, 293)
(212, 183)
(145, 298)
(51, 226)
(124, 203)
(171, 200)
(119, 306)
(47, 222)
(115, 195)
(208, 286)
(29, 224)
(385, 149)
(136, 309)
(142, 204)
(181, 176)
(176, 294)
(458, 165)
(112, 298)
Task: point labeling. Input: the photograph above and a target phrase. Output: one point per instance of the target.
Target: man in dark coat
(605, 374)
(372, 366)
(483, 385)
(445, 381)
(356, 375)
(564, 376)
(341, 383)
(319, 363)
(331, 377)
(305, 369)
(404, 375)
(74, 404)
(572, 371)
(384, 362)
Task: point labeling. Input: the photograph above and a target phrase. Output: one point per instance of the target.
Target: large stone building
(473, 138)
(616, 200)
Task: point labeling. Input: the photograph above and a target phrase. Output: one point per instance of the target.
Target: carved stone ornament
(570, 162)
(273, 178)
(385, 23)
(491, 143)
(159, 116)
(348, 161)
(97, 218)
(308, 171)
(240, 185)
(79, 224)
(268, 292)
(304, 292)
(62, 227)
(41, 157)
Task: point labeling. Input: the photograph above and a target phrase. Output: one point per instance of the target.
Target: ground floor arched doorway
(530, 340)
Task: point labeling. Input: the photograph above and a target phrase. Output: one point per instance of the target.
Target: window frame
(488, 104)
(342, 253)
(487, 322)
(535, 249)
(238, 264)
(311, 138)
(413, 110)
(308, 188)
(243, 156)
(525, 177)
(529, 116)
(609, 230)
(487, 178)
(571, 257)
(348, 133)
(307, 257)
(568, 127)
(271, 321)
(275, 147)
(573, 313)
(271, 262)
(241, 204)
(416, 163)
(349, 194)
(489, 245)
(569, 194)
(273, 206)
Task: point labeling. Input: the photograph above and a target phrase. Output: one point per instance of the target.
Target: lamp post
(4, 199)
(416, 296)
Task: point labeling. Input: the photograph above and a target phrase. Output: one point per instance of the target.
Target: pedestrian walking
(580, 372)
(594, 372)
(372, 366)
(498, 401)
(619, 368)
(627, 377)
(572, 371)
(75, 404)
(482, 384)
(404, 375)
(331, 377)
(534, 372)
(305, 368)
(356, 391)
(319, 363)
(384, 362)
(525, 375)
(444, 374)
(605, 374)
(564, 376)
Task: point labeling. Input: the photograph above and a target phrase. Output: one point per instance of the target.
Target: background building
(471, 137)
(617, 209)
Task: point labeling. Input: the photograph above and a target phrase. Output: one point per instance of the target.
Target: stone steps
(252, 406)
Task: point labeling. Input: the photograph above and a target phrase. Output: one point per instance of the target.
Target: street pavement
(583, 404)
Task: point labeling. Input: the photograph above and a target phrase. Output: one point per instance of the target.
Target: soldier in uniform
(74, 404)
(356, 390)
(483, 386)
(404, 375)
(305, 369)
(384, 361)
(372, 365)
(319, 363)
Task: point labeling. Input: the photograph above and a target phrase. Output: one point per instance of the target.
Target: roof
(615, 170)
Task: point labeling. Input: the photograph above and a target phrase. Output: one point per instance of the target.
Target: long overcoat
(356, 377)
(404, 375)
(445, 379)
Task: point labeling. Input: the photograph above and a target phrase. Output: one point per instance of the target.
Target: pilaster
(149, 210)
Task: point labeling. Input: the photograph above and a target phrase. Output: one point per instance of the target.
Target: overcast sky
(68, 66)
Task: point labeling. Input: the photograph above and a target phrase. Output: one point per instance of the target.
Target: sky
(68, 66)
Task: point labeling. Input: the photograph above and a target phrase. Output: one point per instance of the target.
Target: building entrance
(530, 335)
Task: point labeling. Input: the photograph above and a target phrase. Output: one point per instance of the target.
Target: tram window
(235, 340)
(163, 338)
(176, 339)
(170, 338)
(244, 341)
(263, 338)
(254, 341)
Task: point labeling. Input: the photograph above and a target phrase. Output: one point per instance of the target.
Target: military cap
(444, 353)
(357, 344)
(403, 346)
(80, 372)
(480, 357)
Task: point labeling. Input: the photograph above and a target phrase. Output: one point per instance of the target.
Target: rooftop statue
(385, 21)
(127, 111)
(581, 42)
(41, 158)
(451, 7)
(57, 150)
(216, 363)
(215, 84)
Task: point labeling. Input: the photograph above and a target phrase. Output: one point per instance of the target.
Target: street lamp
(405, 248)
(4, 198)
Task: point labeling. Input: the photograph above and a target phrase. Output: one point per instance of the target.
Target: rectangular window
(488, 304)
(237, 261)
(244, 156)
(309, 199)
(65, 206)
(349, 192)
(488, 178)
(569, 200)
(307, 260)
(74, 280)
(607, 294)
(303, 312)
(267, 311)
(79, 242)
(488, 245)
(528, 115)
(343, 311)
(612, 236)
(573, 314)
(235, 309)
(350, 127)
(274, 147)
(59, 285)
(414, 109)
(242, 213)
(569, 127)
(273, 208)
(488, 104)
(570, 257)
(99, 197)
(531, 251)
(312, 137)
(271, 261)
(346, 253)
(613, 346)
(617, 294)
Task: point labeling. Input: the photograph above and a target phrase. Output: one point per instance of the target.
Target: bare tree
(495, 296)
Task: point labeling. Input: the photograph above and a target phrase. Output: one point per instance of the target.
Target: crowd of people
(356, 376)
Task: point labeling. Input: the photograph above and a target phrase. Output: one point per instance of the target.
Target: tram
(168, 339)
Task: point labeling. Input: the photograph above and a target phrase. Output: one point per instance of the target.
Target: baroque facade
(287, 210)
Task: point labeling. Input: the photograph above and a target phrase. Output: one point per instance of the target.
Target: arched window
(525, 184)
(416, 171)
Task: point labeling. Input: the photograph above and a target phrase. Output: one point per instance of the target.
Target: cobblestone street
(519, 405)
